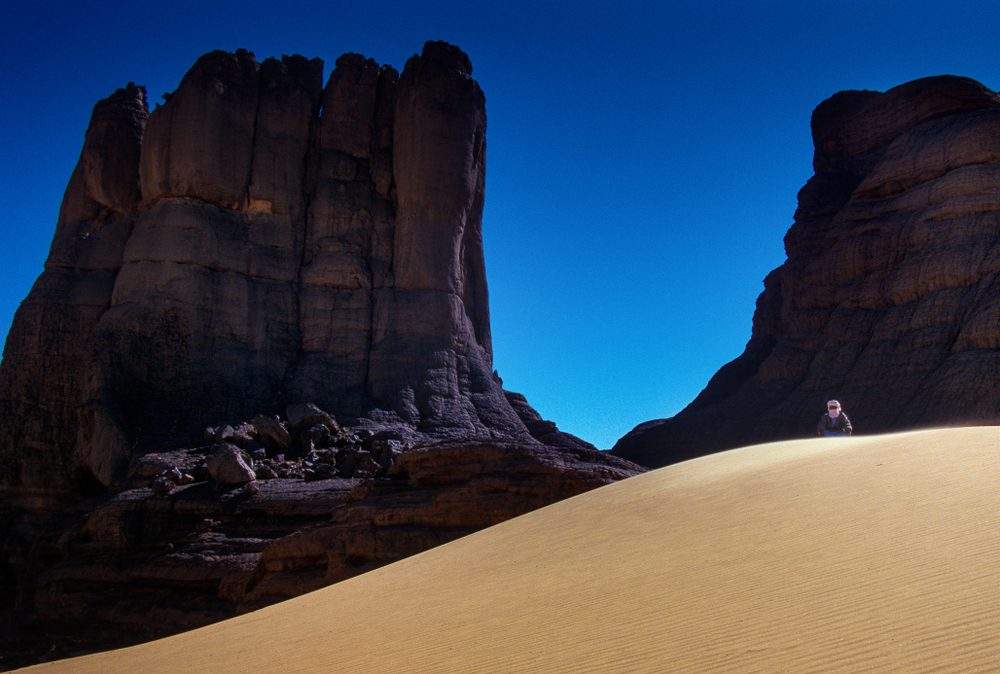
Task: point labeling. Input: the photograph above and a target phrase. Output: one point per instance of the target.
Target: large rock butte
(889, 300)
(257, 242)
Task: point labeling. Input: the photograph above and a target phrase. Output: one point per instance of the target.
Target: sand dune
(876, 552)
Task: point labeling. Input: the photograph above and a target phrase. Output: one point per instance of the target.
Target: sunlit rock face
(890, 297)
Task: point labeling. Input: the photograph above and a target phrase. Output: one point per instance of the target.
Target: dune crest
(872, 552)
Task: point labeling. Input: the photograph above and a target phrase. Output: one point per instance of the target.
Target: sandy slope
(867, 552)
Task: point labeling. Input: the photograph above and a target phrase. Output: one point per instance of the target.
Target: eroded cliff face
(890, 297)
(47, 372)
(256, 243)
(259, 240)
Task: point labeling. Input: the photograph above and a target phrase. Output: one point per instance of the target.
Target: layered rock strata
(307, 259)
(890, 297)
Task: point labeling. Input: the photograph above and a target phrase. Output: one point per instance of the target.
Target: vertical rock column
(348, 245)
(47, 369)
(204, 318)
(431, 355)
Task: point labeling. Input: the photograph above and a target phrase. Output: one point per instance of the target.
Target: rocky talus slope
(258, 359)
(890, 297)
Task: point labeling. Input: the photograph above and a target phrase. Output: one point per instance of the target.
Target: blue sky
(643, 158)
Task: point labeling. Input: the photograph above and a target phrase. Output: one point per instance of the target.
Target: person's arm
(847, 424)
(819, 426)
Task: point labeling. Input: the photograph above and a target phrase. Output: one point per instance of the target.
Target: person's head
(833, 408)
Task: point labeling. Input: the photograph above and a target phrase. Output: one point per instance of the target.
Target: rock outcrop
(307, 259)
(889, 300)
(255, 241)
(142, 565)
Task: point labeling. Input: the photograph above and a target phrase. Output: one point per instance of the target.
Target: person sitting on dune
(834, 423)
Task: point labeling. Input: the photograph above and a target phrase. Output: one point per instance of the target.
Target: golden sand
(861, 553)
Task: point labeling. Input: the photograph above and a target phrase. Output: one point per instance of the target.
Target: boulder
(272, 432)
(228, 466)
(265, 472)
(315, 437)
(307, 415)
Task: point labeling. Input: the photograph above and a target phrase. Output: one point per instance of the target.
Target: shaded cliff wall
(256, 240)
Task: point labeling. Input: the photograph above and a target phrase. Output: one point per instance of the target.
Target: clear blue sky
(643, 158)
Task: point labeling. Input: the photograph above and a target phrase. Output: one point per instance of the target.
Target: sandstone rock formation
(255, 241)
(300, 268)
(890, 297)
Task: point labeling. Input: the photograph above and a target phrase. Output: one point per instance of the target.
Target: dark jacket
(841, 424)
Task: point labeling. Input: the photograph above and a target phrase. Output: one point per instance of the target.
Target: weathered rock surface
(889, 300)
(260, 240)
(257, 241)
(52, 423)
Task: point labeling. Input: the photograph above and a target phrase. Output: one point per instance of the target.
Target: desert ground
(875, 552)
